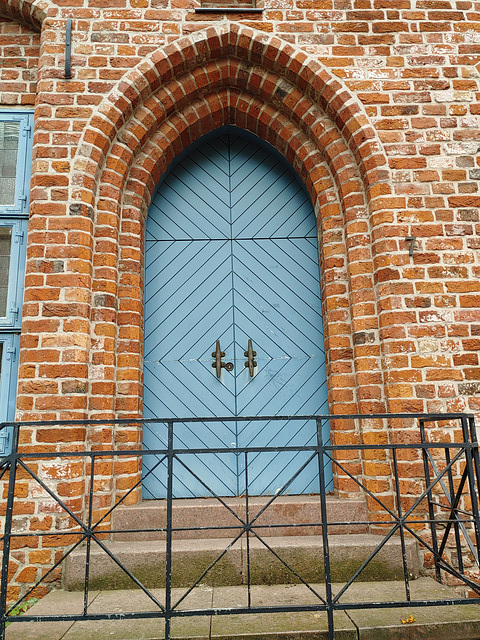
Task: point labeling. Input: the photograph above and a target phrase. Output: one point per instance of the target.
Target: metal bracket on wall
(411, 239)
(68, 49)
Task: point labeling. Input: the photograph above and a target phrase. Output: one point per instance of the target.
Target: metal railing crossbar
(457, 476)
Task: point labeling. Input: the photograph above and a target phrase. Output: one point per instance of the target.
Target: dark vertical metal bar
(476, 462)
(247, 520)
(168, 566)
(473, 433)
(68, 49)
(453, 511)
(455, 504)
(402, 533)
(326, 550)
(471, 481)
(89, 535)
(431, 511)
(8, 530)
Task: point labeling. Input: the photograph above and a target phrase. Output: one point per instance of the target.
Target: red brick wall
(411, 73)
(19, 52)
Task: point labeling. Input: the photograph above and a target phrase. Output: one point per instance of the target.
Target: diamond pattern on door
(232, 254)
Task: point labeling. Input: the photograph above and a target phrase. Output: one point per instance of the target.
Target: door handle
(250, 355)
(218, 354)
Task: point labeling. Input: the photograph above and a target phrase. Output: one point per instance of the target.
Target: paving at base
(459, 622)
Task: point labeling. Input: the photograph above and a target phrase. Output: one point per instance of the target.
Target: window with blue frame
(15, 161)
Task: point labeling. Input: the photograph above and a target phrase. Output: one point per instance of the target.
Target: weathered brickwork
(19, 52)
(374, 102)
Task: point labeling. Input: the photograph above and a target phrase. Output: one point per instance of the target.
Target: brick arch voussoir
(238, 44)
(210, 112)
(29, 12)
(177, 96)
(234, 106)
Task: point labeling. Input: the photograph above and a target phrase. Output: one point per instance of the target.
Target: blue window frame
(15, 162)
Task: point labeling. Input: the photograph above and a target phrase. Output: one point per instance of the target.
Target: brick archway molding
(82, 350)
(231, 75)
(227, 74)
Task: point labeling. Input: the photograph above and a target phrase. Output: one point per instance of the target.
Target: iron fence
(433, 499)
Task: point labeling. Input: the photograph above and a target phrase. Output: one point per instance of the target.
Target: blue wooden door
(232, 255)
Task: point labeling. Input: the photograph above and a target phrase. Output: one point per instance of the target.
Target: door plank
(232, 254)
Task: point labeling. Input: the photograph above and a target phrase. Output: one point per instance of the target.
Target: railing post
(471, 480)
(247, 520)
(326, 550)
(400, 518)
(8, 530)
(168, 563)
(476, 465)
(89, 537)
(431, 511)
(453, 499)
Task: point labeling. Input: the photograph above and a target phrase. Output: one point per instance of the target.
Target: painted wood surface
(232, 254)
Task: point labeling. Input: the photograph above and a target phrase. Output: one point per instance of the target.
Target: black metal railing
(430, 463)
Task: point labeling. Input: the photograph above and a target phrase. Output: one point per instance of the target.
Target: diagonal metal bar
(362, 486)
(50, 571)
(122, 499)
(448, 507)
(453, 502)
(54, 496)
(4, 466)
(473, 497)
(108, 552)
(433, 484)
(443, 564)
(295, 573)
(212, 493)
(284, 487)
(211, 565)
(366, 562)
(431, 511)
(128, 572)
(453, 519)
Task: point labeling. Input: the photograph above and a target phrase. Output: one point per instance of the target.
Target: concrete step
(190, 558)
(208, 512)
(452, 622)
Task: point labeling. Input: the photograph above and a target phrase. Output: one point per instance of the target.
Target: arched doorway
(232, 256)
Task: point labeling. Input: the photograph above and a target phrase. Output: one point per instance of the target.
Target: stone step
(452, 622)
(201, 512)
(190, 558)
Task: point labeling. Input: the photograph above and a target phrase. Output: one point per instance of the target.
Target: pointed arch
(232, 75)
(231, 56)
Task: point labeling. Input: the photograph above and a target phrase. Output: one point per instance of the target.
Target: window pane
(5, 248)
(9, 135)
